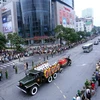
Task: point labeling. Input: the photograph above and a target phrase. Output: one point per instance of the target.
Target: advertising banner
(7, 21)
(7, 27)
(66, 16)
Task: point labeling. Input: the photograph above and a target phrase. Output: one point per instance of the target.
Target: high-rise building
(35, 20)
(2, 2)
(69, 2)
(80, 24)
(9, 18)
(87, 13)
(62, 13)
(84, 24)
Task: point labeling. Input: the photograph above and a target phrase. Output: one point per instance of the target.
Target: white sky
(83, 4)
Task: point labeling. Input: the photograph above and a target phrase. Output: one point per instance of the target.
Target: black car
(96, 42)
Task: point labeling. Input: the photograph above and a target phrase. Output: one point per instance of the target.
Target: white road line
(8, 64)
(55, 84)
(58, 87)
(83, 64)
(64, 96)
(61, 91)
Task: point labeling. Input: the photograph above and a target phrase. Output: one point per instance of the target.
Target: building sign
(66, 16)
(7, 21)
(64, 22)
(4, 9)
(7, 27)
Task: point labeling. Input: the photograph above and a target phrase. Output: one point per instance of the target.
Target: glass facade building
(36, 18)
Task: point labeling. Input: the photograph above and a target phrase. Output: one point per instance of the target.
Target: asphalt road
(64, 87)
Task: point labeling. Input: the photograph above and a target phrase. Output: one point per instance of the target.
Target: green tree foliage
(94, 30)
(10, 37)
(16, 41)
(81, 35)
(2, 41)
(70, 35)
(88, 34)
(59, 32)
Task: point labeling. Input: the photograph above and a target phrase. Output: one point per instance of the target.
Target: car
(99, 39)
(96, 42)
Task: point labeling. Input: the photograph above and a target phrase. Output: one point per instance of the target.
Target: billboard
(66, 16)
(7, 21)
(7, 27)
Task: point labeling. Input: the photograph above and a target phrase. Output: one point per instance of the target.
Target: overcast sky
(83, 4)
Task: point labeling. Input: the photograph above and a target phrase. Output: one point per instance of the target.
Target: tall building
(2, 2)
(8, 18)
(69, 2)
(87, 13)
(63, 13)
(84, 24)
(80, 24)
(35, 20)
(89, 24)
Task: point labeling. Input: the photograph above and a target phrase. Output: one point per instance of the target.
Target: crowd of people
(7, 56)
(90, 86)
(48, 49)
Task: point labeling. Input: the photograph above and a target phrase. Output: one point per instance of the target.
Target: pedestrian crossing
(6, 65)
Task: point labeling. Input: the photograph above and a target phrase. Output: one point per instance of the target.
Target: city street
(64, 87)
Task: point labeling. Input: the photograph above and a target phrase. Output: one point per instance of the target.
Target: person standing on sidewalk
(26, 68)
(88, 93)
(27, 65)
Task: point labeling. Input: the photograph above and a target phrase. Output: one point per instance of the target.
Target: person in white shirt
(13, 65)
(78, 98)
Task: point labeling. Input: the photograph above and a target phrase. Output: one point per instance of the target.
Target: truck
(40, 74)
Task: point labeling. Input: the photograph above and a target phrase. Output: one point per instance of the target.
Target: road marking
(83, 64)
(58, 87)
(55, 84)
(61, 91)
(64, 96)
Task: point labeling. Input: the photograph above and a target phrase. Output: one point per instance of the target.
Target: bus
(87, 47)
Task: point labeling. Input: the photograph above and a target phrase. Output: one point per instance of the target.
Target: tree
(16, 41)
(10, 37)
(88, 34)
(2, 41)
(81, 35)
(94, 30)
(60, 32)
(70, 35)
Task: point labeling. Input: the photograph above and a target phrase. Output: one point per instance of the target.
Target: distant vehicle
(87, 47)
(96, 42)
(40, 74)
(99, 39)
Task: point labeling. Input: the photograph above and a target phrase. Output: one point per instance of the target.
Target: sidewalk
(96, 95)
